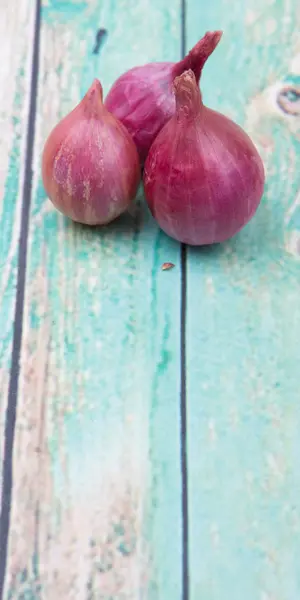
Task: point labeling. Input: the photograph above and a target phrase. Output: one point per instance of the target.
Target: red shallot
(203, 177)
(143, 98)
(90, 164)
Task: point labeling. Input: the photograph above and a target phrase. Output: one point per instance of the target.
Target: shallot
(90, 165)
(203, 177)
(143, 98)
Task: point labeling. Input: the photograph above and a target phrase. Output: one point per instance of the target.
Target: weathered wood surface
(243, 327)
(96, 498)
(16, 27)
(97, 504)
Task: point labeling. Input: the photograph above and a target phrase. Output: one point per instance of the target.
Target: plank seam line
(11, 411)
(183, 403)
(183, 434)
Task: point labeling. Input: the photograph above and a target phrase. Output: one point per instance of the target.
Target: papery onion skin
(143, 98)
(90, 165)
(203, 177)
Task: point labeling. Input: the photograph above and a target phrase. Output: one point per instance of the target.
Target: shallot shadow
(130, 222)
(239, 246)
(207, 253)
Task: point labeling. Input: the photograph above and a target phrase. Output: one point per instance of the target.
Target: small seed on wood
(167, 265)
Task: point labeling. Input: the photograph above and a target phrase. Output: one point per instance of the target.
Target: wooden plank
(16, 26)
(96, 510)
(243, 328)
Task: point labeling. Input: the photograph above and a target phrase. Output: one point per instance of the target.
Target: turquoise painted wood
(14, 85)
(96, 509)
(243, 328)
(99, 381)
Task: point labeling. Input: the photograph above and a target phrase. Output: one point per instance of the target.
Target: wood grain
(243, 328)
(96, 498)
(16, 25)
(96, 509)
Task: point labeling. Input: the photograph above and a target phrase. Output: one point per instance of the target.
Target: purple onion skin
(143, 98)
(203, 177)
(90, 165)
(149, 104)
